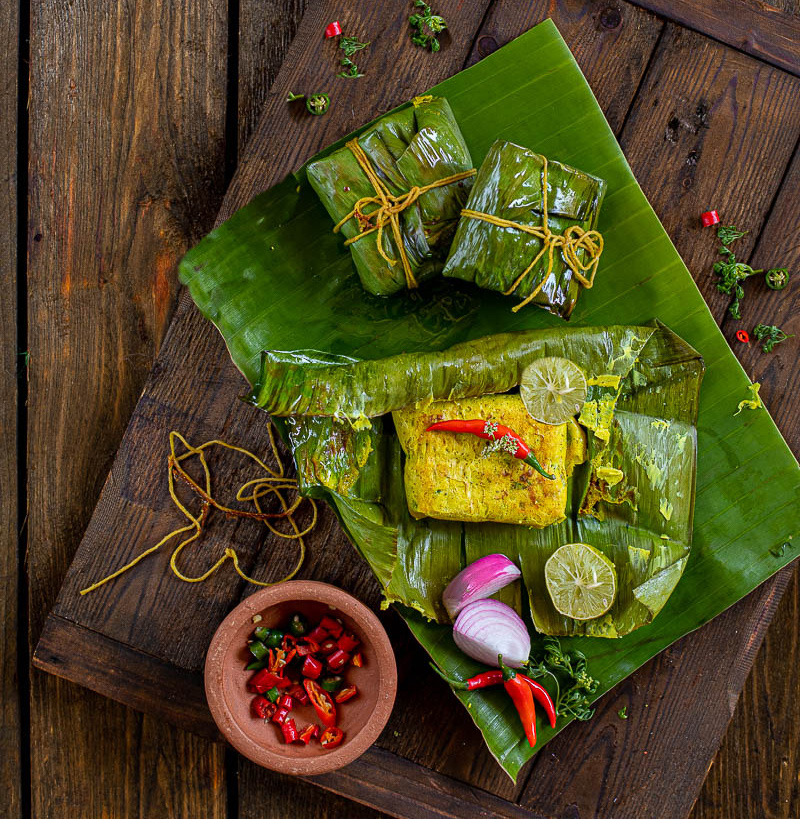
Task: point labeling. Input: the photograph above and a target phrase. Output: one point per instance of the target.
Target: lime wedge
(581, 581)
(553, 389)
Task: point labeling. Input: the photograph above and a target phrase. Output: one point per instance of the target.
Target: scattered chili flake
(333, 29)
(743, 336)
(709, 218)
(358, 660)
(331, 737)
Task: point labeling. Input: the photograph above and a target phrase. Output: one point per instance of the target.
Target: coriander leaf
(428, 26)
(731, 274)
(770, 335)
(729, 233)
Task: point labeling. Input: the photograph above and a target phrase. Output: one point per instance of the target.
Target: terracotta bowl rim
(373, 633)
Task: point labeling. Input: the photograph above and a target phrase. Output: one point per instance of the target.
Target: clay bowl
(362, 718)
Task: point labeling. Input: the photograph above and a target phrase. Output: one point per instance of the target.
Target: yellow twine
(388, 208)
(573, 239)
(273, 484)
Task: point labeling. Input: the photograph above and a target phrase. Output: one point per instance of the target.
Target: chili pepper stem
(530, 459)
(462, 686)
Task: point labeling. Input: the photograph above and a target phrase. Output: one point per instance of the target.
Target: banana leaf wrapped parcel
(528, 229)
(396, 193)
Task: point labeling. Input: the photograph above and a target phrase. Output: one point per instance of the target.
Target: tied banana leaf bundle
(528, 229)
(396, 193)
(632, 499)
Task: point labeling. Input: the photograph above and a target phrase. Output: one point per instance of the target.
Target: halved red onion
(480, 579)
(487, 628)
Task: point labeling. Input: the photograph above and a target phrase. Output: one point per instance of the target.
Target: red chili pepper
(322, 702)
(289, 731)
(338, 660)
(522, 697)
(299, 693)
(281, 715)
(743, 336)
(331, 737)
(286, 701)
(347, 642)
(490, 431)
(328, 646)
(289, 642)
(312, 668)
(333, 627)
(346, 694)
(263, 708)
(358, 660)
(307, 647)
(278, 660)
(317, 635)
(710, 217)
(495, 677)
(263, 680)
(309, 732)
(333, 29)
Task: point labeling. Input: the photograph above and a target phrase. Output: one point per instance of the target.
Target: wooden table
(118, 148)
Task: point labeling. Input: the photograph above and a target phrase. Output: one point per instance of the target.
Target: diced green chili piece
(273, 694)
(258, 649)
(298, 625)
(274, 638)
(261, 633)
(257, 665)
(331, 683)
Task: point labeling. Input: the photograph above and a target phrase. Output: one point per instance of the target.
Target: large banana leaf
(303, 293)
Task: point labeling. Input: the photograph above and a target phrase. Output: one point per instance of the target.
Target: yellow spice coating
(448, 477)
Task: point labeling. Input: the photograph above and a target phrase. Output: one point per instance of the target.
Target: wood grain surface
(127, 172)
(10, 364)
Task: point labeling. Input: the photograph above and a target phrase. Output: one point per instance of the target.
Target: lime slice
(553, 389)
(581, 581)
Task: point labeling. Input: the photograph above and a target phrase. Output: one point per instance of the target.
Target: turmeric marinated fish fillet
(449, 476)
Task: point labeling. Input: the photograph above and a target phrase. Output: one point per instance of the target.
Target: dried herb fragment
(428, 26)
(770, 335)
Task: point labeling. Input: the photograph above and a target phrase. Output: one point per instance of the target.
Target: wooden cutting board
(142, 639)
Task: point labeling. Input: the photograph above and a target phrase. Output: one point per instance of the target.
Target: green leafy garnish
(350, 45)
(770, 334)
(574, 686)
(732, 274)
(729, 233)
(623, 712)
(428, 27)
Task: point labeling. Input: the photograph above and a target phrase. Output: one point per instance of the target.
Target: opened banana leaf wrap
(639, 414)
(413, 147)
(509, 186)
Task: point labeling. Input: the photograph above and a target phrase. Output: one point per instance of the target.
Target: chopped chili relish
(303, 666)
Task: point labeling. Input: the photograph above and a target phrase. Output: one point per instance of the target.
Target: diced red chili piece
(710, 217)
(312, 668)
(331, 737)
(333, 29)
(328, 646)
(338, 660)
(322, 701)
(279, 659)
(358, 660)
(263, 680)
(347, 642)
(289, 731)
(317, 634)
(299, 693)
(280, 716)
(309, 732)
(307, 646)
(289, 642)
(333, 627)
(347, 693)
(286, 701)
(262, 707)
(743, 336)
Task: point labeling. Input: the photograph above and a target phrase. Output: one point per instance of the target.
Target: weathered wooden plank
(690, 123)
(126, 143)
(10, 673)
(757, 28)
(594, 30)
(755, 771)
(265, 32)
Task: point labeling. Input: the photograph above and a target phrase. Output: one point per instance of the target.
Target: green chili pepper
(257, 665)
(318, 103)
(777, 278)
(261, 633)
(298, 625)
(331, 683)
(274, 638)
(258, 649)
(273, 694)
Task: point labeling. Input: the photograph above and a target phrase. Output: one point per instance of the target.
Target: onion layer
(486, 628)
(479, 580)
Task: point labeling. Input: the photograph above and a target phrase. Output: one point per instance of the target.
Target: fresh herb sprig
(350, 45)
(427, 27)
(732, 274)
(574, 686)
(770, 335)
(729, 233)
